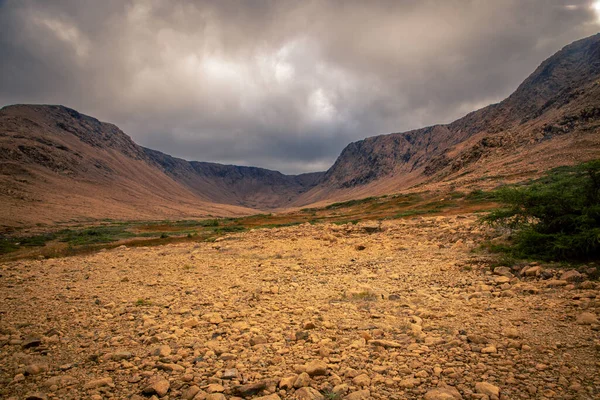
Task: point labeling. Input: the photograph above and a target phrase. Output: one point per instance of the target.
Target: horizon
(275, 85)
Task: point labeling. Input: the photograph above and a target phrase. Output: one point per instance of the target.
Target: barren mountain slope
(553, 118)
(57, 164)
(248, 186)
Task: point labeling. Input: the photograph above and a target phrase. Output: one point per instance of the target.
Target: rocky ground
(396, 311)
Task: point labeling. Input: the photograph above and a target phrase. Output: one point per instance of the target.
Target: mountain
(57, 164)
(553, 118)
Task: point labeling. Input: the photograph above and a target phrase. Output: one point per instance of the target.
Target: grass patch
(349, 203)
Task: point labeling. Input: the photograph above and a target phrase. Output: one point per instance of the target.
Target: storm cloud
(277, 84)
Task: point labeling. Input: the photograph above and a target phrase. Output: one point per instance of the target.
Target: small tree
(556, 217)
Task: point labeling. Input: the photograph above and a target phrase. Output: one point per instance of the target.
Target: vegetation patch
(553, 218)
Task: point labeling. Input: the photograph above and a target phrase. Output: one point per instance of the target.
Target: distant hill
(57, 164)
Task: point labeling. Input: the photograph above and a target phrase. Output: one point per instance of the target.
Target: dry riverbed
(392, 311)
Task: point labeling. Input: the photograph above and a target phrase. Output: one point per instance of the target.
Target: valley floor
(392, 311)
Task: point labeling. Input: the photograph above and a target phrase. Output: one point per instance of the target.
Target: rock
(511, 333)
(387, 344)
(215, 388)
(555, 283)
(171, 367)
(191, 323)
(255, 340)
(409, 383)
(31, 341)
(302, 380)
(273, 396)
(340, 389)
(587, 318)
(250, 389)
(503, 271)
(287, 382)
(444, 392)
(36, 396)
(532, 271)
(98, 383)
(189, 393)
(162, 351)
(230, 374)
(487, 389)
(500, 280)
(489, 349)
(571, 276)
(477, 339)
(60, 381)
(308, 393)
(359, 395)
(315, 368)
(216, 396)
(36, 369)
(362, 380)
(213, 318)
(309, 325)
(157, 385)
(120, 355)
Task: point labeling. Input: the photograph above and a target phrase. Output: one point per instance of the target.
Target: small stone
(216, 396)
(191, 323)
(36, 369)
(556, 283)
(409, 383)
(98, 383)
(157, 385)
(308, 393)
(487, 389)
(443, 393)
(587, 318)
(309, 325)
(287, 382)
(215, 388)
(571, 276)
(273, 396)
(189, 393)
(386, 344)
(230, 374)
(255, 340)
(315, 368)
(162, 351)
(31, 341)
(359, 395)
(512, 333)
(121, 355)
(362, 380)
(532, 271)
(36, 396)
(489, 349)
(503, 271)
(302, 380)
(250, 389)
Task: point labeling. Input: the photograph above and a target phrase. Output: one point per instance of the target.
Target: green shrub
(556, 217)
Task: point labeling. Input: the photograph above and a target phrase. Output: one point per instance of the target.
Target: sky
(284, 85)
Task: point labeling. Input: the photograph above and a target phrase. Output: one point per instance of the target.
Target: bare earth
(406, 311)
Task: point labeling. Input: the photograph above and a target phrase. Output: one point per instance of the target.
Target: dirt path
(406, 311)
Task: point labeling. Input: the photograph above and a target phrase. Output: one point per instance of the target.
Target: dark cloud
(278, 84)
